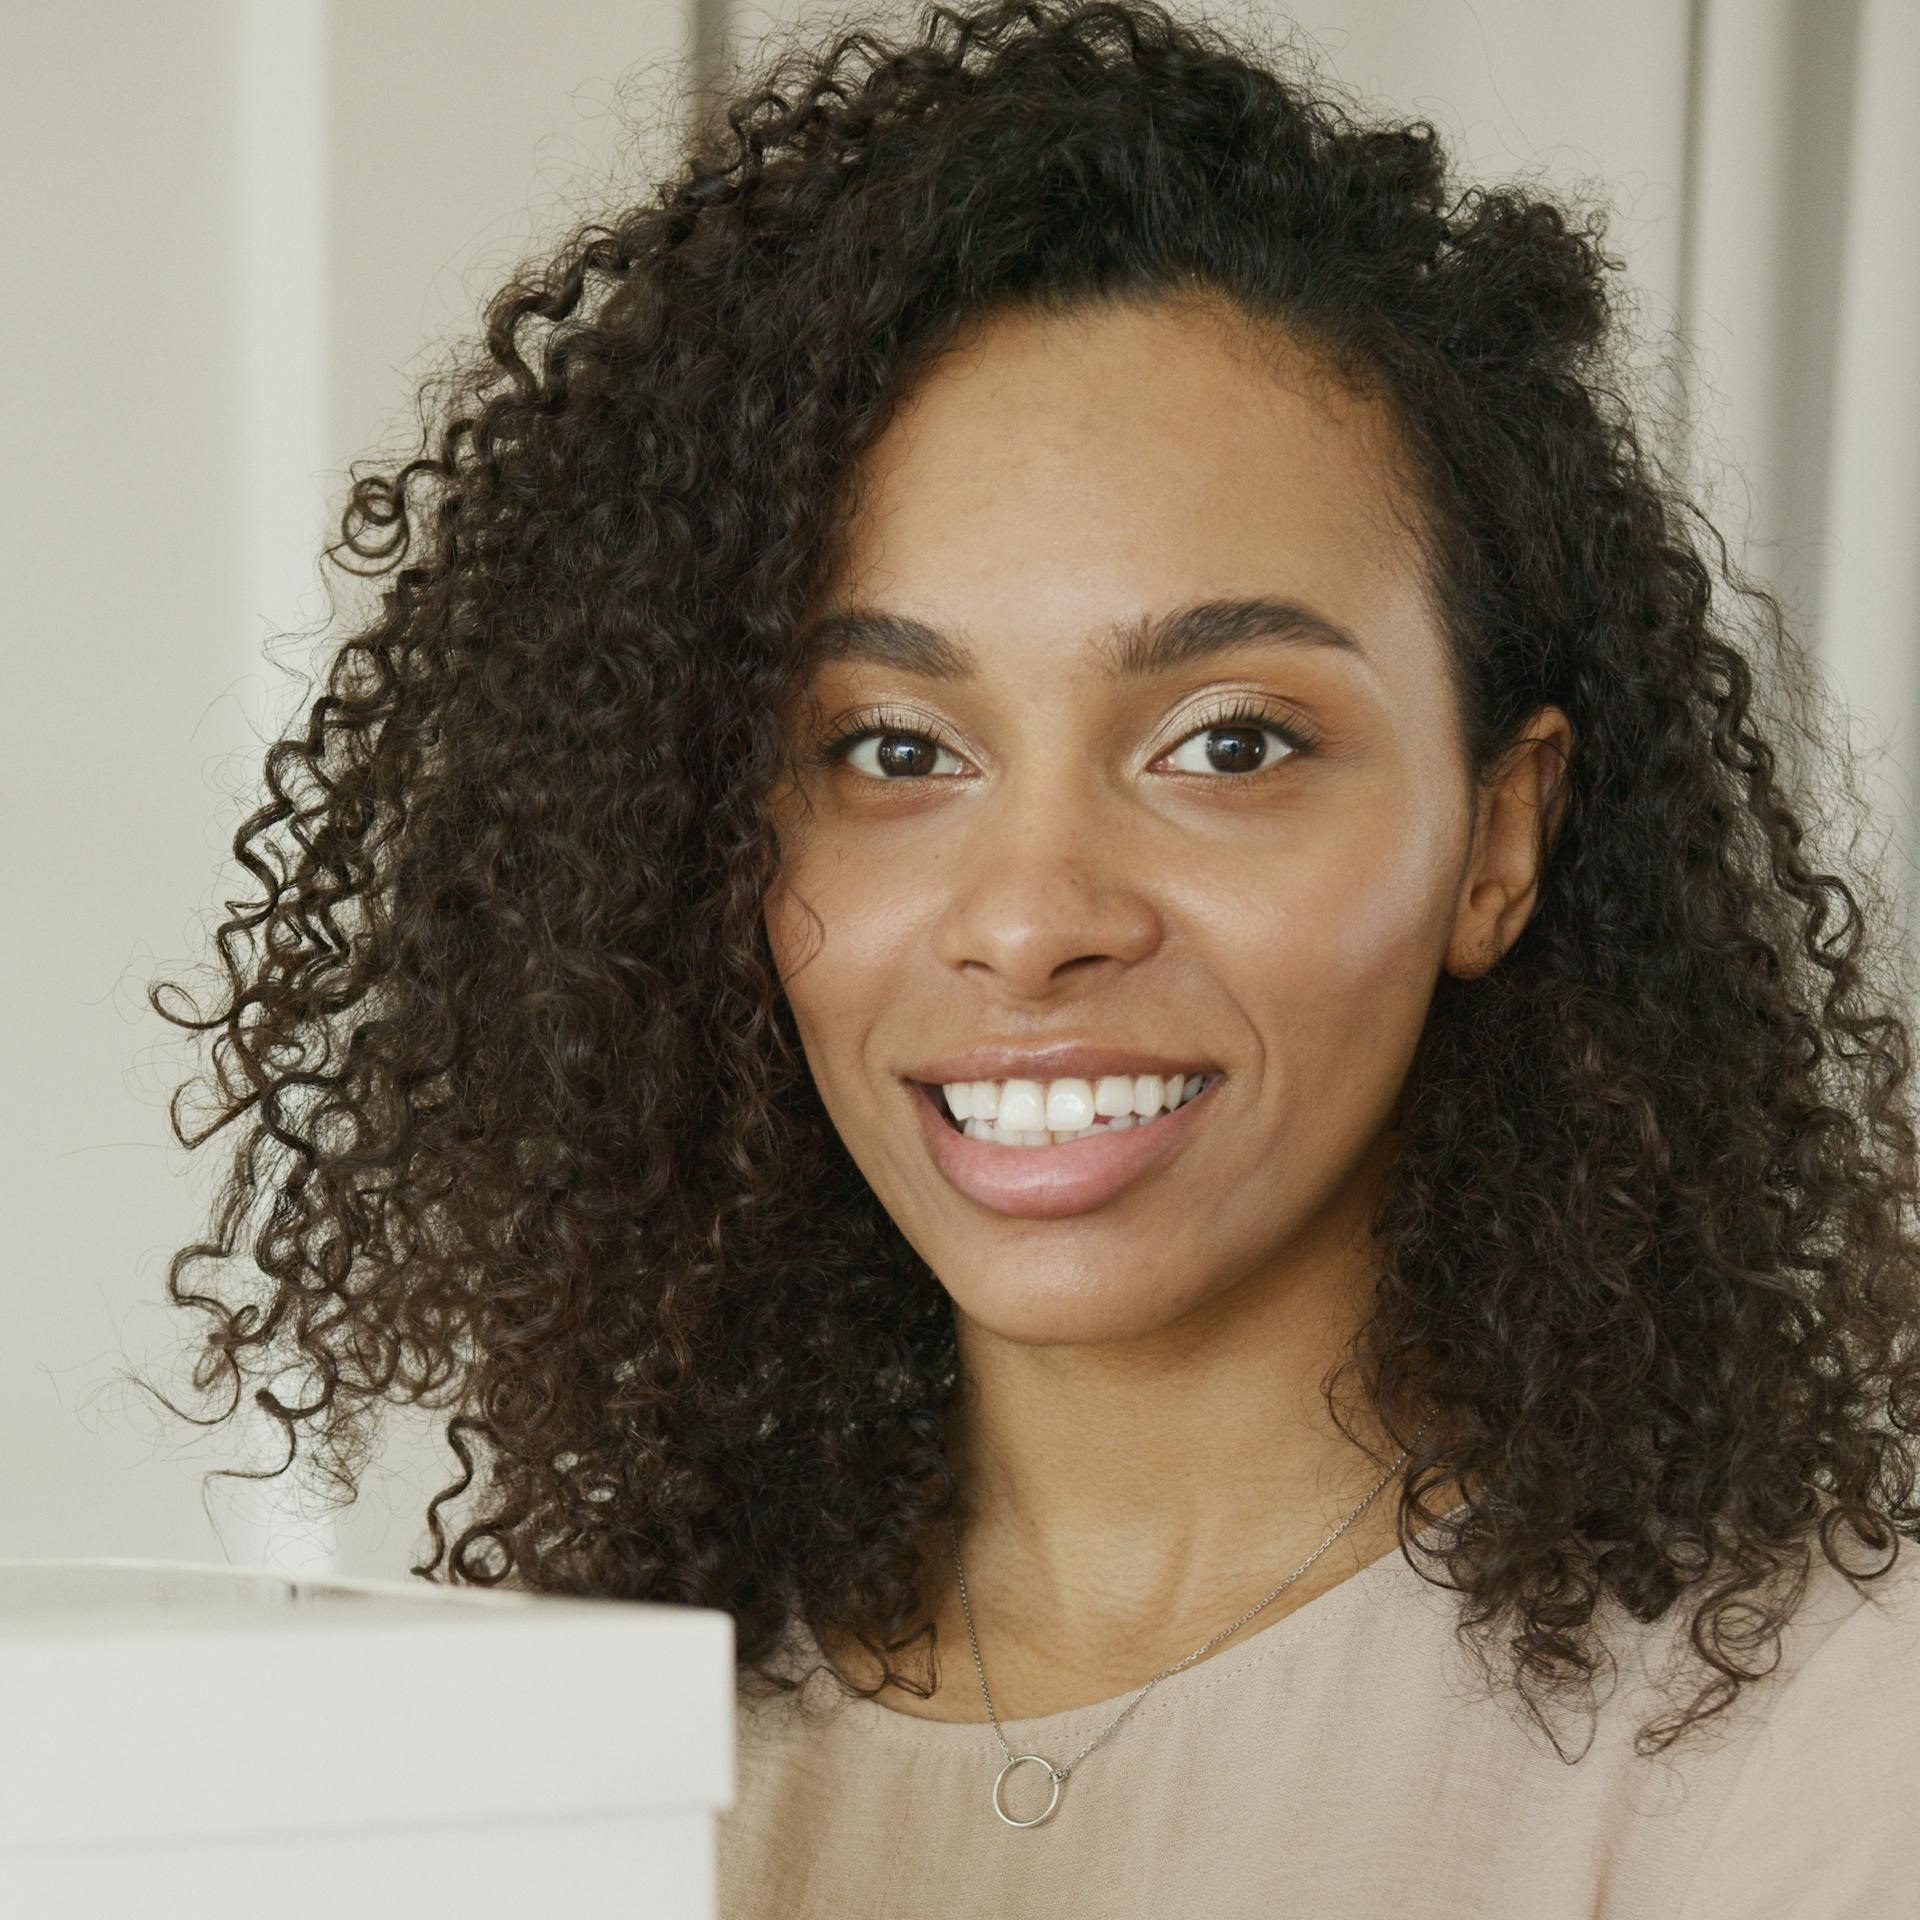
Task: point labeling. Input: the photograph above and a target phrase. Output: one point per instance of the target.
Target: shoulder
(1822, 1810)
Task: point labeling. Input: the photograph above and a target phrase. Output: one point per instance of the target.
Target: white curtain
(1800, 288)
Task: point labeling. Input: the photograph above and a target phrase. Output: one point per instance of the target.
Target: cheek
(837, 932)
(1345, 945)
(1383, 919)
(792, 932)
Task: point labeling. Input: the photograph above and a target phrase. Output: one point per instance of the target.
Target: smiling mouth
(976, 1129)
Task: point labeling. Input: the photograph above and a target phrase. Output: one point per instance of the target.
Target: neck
(1120, 1507)
(1130, 1548)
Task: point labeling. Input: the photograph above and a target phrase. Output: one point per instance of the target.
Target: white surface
(608, 1868)
(179, 1736)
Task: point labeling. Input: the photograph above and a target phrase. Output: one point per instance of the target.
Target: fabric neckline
(1072, 1724)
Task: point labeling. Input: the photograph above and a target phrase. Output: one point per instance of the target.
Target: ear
(1521, 804)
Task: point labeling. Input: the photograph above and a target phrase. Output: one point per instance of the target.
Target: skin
(1150, 1452)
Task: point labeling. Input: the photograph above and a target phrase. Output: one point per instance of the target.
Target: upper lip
(1066, 1059)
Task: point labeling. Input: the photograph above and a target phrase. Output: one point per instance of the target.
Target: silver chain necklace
(1058, 1775)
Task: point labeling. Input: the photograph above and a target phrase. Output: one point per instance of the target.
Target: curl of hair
(529, 1133)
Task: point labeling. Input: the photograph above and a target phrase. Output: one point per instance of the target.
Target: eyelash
(1243, 712)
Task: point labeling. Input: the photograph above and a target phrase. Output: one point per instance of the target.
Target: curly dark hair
(530, 1135)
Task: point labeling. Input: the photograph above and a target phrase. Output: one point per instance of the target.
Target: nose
(1049, 878)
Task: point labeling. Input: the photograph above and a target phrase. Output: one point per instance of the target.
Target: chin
(1062, 1310)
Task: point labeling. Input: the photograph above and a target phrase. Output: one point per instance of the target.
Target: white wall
(239, 232)
(126, 632)
(234, 230)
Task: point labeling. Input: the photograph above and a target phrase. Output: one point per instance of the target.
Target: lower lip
(1052, 1183)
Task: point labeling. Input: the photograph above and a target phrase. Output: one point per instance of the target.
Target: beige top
(1347, 1762)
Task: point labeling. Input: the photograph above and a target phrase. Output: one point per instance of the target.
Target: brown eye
(1236, 743)
(1234, 749)
(898, 755)
(887, 753)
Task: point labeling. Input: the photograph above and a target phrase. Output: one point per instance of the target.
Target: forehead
(1053, 476)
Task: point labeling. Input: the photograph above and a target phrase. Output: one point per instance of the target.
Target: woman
(1051, 939)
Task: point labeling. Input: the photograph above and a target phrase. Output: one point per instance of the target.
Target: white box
(185, 1742)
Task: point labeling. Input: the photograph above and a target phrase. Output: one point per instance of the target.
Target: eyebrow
(1129, 650)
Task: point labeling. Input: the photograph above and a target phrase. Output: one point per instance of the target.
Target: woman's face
(1244, 852)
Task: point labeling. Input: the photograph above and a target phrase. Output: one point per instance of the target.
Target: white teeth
(1026, 1113)
(1069, 1105)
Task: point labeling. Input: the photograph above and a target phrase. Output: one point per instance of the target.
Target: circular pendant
(1019, 1760)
